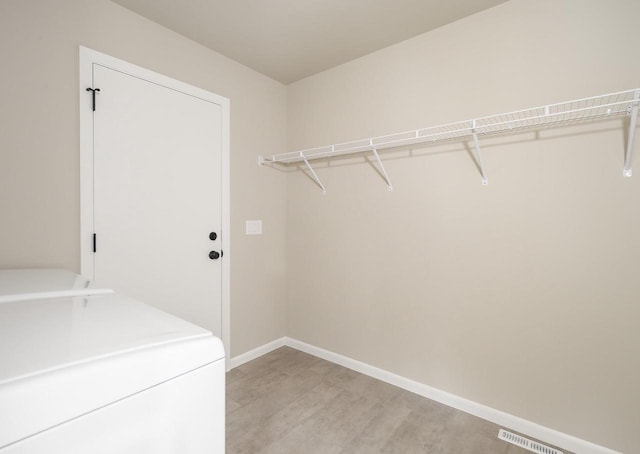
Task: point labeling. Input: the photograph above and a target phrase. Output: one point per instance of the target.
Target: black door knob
(214, 255)
(213, 236)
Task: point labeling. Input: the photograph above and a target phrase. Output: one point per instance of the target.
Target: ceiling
(288, 40)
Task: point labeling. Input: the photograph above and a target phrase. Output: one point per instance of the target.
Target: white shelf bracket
(382, 169)
(632, 132)
(478, 153)
(315, 177)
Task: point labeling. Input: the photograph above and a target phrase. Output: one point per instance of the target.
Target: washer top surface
(25, 284)
(40, 336)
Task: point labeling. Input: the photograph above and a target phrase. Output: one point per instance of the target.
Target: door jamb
(90, 57)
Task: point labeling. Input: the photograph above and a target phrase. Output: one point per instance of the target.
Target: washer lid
(16, 285)
(38, 336)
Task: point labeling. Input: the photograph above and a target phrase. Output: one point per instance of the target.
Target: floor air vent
(525, 443)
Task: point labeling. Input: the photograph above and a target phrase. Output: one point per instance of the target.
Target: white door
(157, 192)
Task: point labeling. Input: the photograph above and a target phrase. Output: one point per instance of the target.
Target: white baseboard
(515, 423)
(255, 353)
(498, 417)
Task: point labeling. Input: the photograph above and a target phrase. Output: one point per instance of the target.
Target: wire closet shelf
(552, 115)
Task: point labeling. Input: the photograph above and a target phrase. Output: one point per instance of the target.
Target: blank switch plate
(254, 227)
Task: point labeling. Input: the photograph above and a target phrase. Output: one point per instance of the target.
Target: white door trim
(88, 58)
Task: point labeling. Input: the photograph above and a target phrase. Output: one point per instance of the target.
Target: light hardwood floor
(290, 402)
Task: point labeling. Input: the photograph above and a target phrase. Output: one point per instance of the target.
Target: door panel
(157, 195)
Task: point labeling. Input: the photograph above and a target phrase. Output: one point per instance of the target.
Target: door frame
(89, 57)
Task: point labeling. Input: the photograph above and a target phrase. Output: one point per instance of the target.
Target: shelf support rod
(478, 153)
(632, 132)
(315, 177)
(384, 172)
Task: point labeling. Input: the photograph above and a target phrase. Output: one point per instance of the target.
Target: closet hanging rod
(550, 115)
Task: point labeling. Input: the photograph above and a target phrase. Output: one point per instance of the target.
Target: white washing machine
(85, 370)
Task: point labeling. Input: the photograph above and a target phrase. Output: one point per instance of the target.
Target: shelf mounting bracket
(313, 173)
(632, 132)
(474, 133)
(382, 169)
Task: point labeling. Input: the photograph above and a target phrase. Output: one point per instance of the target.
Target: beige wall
(521, 295)
(39, 151)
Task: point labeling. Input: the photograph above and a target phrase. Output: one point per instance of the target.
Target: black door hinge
(94, 242)
(93, 96)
